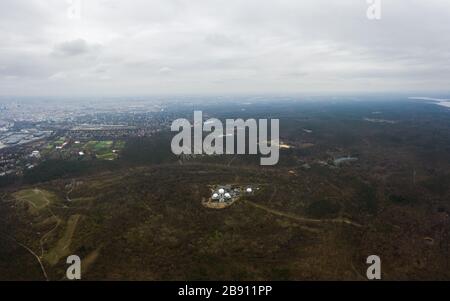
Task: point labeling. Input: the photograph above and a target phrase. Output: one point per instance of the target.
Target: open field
(37, 198)
(98, 146)
(92, 149)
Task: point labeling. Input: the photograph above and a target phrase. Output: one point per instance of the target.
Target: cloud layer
(119, 47)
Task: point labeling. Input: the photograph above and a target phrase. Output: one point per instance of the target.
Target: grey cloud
(223, 40)
(24, 65)
(217, 46)
(73, 48)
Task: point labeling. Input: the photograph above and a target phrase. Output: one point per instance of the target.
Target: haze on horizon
(120, 47)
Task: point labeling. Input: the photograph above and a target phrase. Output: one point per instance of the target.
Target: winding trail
(72, 185)
(44, 272)
(231, 161)
(339, 220)
(43, 238)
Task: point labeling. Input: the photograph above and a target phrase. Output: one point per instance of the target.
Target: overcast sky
(142, 47)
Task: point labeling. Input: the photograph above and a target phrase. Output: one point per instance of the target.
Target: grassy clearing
(107, 156)
(103, 149)
(62, 247)
(37, 198)
(99, 146)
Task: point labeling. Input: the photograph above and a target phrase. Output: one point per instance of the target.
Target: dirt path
(72, 185)
(44, 272)
(231, 161)
(303, 219)
(44, 237)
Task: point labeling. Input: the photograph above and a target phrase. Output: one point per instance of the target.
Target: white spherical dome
(215, 195)
(227, 195)
(249, 190)
(221, 190)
